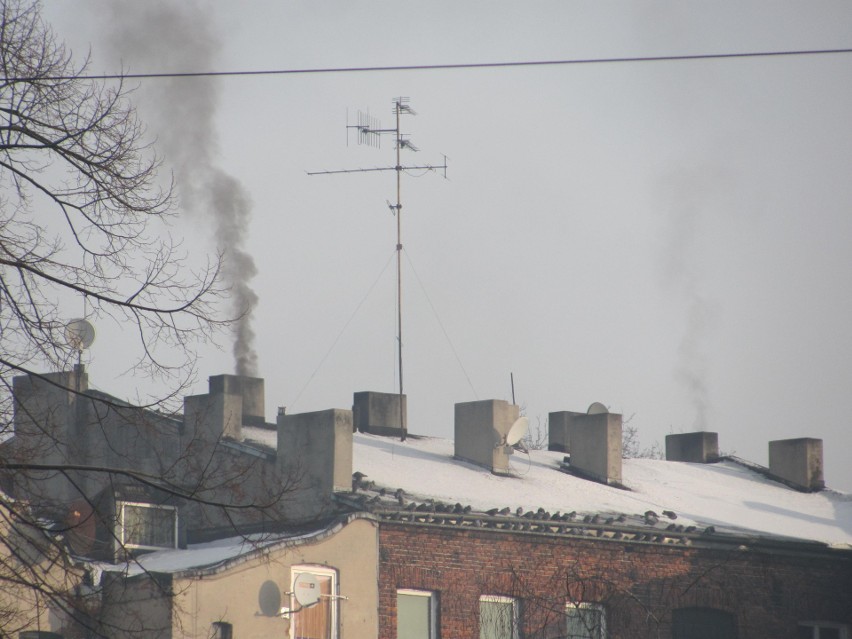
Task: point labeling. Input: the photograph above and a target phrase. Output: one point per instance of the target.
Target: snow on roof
(212, 556)
(725, 494)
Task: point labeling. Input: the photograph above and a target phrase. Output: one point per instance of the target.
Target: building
(426, 538)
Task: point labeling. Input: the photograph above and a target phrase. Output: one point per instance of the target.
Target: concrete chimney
(559, 425)
(379, 414)
(595, 446)
(798, 461)
(480, 433)
(250, 389)
(318, 448)
(699, 447)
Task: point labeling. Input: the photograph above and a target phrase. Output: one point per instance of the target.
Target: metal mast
(369, 132)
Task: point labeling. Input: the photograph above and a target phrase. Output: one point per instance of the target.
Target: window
(147, 526)
(313, 602)
(823, 630)
(415, 614)
(585, 621)
(498, 617)
(703, 623)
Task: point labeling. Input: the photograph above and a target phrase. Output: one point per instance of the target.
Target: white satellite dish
(517, 431)
(596, 408)
(306, 589)
(79, 334)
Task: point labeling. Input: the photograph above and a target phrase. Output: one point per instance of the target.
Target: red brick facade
(768, 589)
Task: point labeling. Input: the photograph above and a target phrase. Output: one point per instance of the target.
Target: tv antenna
(369, 131)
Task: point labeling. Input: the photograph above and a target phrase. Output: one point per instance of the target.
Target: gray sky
(670, 238)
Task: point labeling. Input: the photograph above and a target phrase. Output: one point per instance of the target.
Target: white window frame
(122, 537)
(583, 605)
(815, 626)
(500, 599)
(433, 608)
(334, 598)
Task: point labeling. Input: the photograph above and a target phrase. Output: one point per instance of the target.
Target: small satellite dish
(596, 408)
(306, 589)
(517, 431)
(79, 334)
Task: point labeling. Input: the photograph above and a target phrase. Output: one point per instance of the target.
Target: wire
(342, 330)
(437, 67)
(440, 323)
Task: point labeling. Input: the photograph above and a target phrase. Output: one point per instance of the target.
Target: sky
(671, 239)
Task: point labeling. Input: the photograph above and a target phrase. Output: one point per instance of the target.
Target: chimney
(798, 462)
(593, 440)
(559, 425)
(480, 433)
(251, 389)
(699, 448)
(317, 448)
(379, 414)
(233, 400)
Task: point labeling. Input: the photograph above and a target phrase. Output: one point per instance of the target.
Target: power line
(438, 67)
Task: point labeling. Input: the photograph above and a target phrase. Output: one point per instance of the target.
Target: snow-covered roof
(729, 496)
(726, 494)
(213, 556)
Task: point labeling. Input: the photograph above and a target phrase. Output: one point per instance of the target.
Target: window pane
(806, 632)
(584, 623)
(496, 619)
(413, 616)
(829, 633)
(149, 526)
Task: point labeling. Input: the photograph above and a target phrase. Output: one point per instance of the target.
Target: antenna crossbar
(428, 167)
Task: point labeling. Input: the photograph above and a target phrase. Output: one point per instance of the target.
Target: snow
(725, 494)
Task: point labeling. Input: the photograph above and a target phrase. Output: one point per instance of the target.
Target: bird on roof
(670, 514)
(505, 511)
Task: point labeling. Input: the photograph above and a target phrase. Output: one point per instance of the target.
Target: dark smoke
(159, 36)
(690, 201)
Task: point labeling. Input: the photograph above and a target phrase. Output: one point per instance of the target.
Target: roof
(212, 557)
(680, 499)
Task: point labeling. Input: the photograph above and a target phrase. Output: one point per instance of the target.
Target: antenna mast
(369, 132)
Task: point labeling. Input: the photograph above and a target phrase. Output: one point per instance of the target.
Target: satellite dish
(596, 408)
(79, 334)
(306, 589)
(517, 431)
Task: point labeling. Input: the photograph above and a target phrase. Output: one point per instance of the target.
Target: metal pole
(402, 428)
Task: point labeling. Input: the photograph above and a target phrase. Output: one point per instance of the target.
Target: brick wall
(768, 592)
